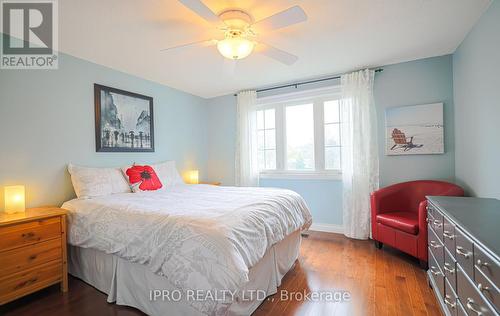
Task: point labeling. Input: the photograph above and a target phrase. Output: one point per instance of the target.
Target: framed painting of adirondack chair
(415, 130)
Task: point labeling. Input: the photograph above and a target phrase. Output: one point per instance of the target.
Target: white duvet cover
(198, 236)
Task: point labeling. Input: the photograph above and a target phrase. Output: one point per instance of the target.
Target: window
(266, 139)
(300, 137)
(332, 135)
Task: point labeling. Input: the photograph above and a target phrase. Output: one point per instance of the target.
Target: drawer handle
(448, 235)
(482, 288)
(461, 252)
(446, 265)
(28, 235)
(470, 305)
(433, 244)
(436, 273)
(450, 304)
(437, 223)
(482, 263)
(27, 282)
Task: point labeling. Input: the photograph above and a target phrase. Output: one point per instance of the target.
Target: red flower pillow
(142, 178)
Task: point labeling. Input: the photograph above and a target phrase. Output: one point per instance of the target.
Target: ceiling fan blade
(198, 7)
(278, 54)
(281, 19)
(204, 43)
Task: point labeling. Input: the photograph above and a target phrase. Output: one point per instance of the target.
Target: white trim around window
(317, 98)
(305, 175)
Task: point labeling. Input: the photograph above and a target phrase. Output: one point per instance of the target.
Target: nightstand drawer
(18, 235)
(24, 258)
(30, 281)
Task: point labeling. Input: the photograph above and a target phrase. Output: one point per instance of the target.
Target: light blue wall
(222, 139)
(324, 197)
(47, 121)
(476, 75)
(418, 82)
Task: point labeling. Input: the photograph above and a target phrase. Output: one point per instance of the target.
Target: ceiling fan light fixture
(235, 47)
(241, 32)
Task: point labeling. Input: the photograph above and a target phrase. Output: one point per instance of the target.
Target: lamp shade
(193, 176)
(235, 47)
(14, 199)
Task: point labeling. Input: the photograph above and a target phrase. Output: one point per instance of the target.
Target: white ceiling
(339, 35)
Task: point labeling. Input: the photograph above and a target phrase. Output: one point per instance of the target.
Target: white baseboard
(328, 228)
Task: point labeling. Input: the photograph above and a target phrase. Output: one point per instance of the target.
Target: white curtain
(247, 169)
(360, 167)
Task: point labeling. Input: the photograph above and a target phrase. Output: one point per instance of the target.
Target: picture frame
(415, 130)
(124, 120)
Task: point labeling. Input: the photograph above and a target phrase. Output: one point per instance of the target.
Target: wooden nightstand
(211, 183)
(32, 252)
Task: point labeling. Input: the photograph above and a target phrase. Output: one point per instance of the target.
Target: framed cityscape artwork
(123, 121)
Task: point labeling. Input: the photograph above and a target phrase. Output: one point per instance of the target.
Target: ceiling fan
(240, 31)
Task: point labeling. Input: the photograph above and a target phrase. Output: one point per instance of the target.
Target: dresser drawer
(14, 236)
(464, 253)
(450, 269)
(487, 265)
(436, 274)
(435, 246)
(430, 216)
(449, 235)
(437, 226)
(450, 299)
(470, 297)
(29, 281)
(16, 260)
(432, 212)
(490, 291)
(460, 309)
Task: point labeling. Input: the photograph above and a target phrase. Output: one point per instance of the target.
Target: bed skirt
(132, 284)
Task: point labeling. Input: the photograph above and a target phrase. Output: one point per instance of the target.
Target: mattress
(133, 284)
(196, 236)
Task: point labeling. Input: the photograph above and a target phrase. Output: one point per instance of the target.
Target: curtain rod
(304, 82)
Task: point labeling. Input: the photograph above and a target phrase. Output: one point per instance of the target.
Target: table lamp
(14, 199)
(193, 176)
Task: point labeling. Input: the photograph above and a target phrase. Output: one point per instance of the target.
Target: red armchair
(399, 214)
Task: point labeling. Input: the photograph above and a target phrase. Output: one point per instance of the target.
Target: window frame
(279, 103)
(265, 148)
(339, 123)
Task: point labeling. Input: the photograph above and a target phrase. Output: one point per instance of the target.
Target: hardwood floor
(381, 282)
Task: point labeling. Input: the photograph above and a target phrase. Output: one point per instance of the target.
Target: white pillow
(91, 182)
(168, 174)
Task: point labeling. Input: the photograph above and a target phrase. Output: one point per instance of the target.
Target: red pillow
(143, 178)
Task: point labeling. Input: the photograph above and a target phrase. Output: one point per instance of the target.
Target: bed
(188, 250)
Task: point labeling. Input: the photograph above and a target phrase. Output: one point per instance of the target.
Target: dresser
(464, 254)
(32, 252)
